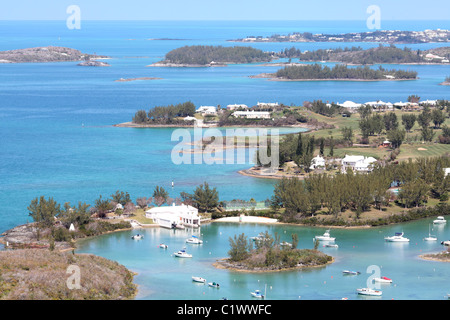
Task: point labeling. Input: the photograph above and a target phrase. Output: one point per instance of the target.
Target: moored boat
(198, 279)
(194, 240)
(257, 294)
(430, 237)
(213, 284)
(163, 246)
(439, 220)
(325, 237)
(383, 280)
(182, 254)
(369, 292)
(398, 237)
(351, 272)
(137, 237)
(331, 245)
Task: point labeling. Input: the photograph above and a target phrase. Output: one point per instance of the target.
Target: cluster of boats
(203, 280)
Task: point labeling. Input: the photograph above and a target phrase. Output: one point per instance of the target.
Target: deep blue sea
(56, 119)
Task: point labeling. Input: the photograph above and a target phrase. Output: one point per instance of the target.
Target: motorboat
(351, 272)
(398, 237)
(163, 246)
(331, 245)
(257, 294)
(137, 237)
(430, 237)
(286, 244)
(182, 254)
(214, 284)
(383, 280)
(446, 243)
(369, 292)
(325, 237)
(199, 279)
(260, 237)
(439, 220)
(194, 240)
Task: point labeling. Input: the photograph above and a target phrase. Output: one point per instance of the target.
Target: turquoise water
(57, 139)
(162, 276)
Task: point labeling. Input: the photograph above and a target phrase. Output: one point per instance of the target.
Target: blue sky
(225, 10)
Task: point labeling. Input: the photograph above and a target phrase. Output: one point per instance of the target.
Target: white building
(317, 162)
(252, 114)
(207, 110)
(236, 106)
(174, 216)
(268, 104)
(447, 171)
(350, 106)
(380, 105)
(357, 163)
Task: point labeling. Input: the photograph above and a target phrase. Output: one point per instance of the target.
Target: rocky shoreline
(46, 54)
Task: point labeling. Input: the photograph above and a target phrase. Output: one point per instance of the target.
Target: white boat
(137, 237)
(286, 244)
(325, 237)
(430, 237)
(199, 279)
(351, 272)
(446, 243)
(331, 245)
(383, 280)
(163, 246)
(257, 294)
(369, 292)
(182, 254)
(214, 284)
(398, 237)
(439, 220)
(194, 240)
(260, 237)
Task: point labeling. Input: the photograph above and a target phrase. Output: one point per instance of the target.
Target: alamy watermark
(374, 20)
(74, 20)
(74, 280)
(212, 146)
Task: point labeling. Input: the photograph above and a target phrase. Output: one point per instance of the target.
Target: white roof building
(316, 162)
(207, 110)
(174, 216)
(446, 171)
(252, 114)
(350, 105)
(236, 106)
(189, 118)
(357, 163)
(267, 104)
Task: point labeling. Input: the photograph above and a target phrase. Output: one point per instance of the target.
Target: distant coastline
(136, 79)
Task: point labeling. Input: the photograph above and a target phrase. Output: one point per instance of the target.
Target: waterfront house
(252, 114)
(174, 216)
(207, 110)
(446, 171)
(357, 163)
(268, 104)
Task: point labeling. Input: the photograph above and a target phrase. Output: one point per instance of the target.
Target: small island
(46, 54)
(212, 56)
(443, 256)
(318, 72)
(93, 63)
(265, 253)
(446, 82)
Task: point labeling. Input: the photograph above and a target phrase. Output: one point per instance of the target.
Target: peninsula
(46, 54)
(380, 54)
(212, 56)
(386, 36)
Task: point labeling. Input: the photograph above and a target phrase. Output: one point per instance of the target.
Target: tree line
(417, 181)
(165, 114)
(316, 71)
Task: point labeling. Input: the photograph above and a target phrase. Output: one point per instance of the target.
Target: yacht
(325, 237)
(257, 294)
(199, 279)
(137, 237)
(430, 237)
(351, 272)
(214, 285)
(439, 220)
(182, 254)
(163, 246)
(194, 240)
(398, 237)
(369, 292)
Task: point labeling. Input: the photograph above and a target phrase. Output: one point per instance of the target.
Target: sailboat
(430, 237)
